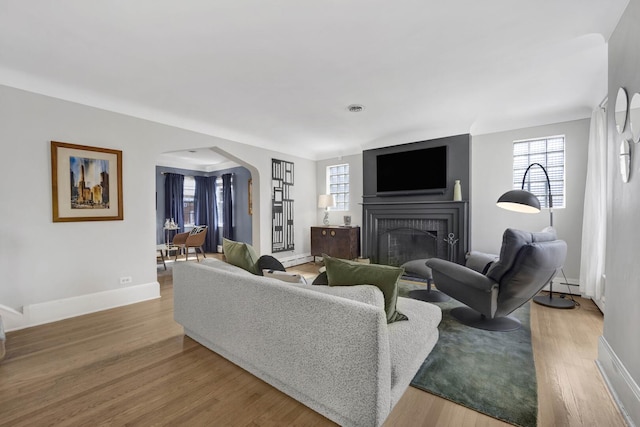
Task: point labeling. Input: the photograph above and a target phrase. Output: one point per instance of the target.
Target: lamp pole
(524, 178)
(549, 301)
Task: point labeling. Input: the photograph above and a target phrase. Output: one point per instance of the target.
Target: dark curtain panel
(205, 209)
(227, 207)
(173, 198)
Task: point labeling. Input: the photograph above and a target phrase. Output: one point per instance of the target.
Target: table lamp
(326, 201)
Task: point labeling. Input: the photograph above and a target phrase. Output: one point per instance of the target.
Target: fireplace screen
(402, 240)
(400, 245)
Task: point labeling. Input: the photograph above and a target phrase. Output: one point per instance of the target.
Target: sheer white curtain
(594, 224)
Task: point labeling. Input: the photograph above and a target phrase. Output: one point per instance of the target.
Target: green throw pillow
(341, 272)
(241, 255)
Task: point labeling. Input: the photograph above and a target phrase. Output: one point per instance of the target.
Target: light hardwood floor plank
(133, 366)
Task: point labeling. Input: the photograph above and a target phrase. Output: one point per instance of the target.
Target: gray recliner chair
(527, 262)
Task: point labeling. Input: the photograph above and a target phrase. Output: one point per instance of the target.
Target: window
(219, 201)
(338, 185)
(549, 152)
(189, 189)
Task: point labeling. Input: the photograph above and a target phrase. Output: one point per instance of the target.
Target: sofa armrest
(456, 274)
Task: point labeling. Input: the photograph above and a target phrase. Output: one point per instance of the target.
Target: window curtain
(173, 198)
(205, 210)
(227, 207)
(594, 221)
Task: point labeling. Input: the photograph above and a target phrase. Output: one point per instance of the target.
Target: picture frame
(250, 191)
(86, 183)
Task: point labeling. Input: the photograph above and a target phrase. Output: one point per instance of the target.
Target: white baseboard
(297, 259)
(623, 388)
(52, 311)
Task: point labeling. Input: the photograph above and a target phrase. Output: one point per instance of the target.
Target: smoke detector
(355, 108)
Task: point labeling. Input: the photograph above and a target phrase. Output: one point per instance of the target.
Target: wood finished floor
(133, 366)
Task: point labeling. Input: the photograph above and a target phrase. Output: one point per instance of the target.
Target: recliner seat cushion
(418, 268)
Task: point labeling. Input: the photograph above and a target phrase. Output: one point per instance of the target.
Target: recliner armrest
(460, 274)
(480, 261)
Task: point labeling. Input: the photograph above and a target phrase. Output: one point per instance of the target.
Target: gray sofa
(328, 347)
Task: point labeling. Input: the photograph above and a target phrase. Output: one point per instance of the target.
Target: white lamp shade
(326, 201)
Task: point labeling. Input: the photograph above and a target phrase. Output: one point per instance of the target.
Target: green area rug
(489, 372)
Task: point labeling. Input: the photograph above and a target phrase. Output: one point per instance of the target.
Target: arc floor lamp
(527, 202)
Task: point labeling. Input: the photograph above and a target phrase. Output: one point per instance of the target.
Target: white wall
(355, 188)
(492, 175)
(619, 352)
(43, 262)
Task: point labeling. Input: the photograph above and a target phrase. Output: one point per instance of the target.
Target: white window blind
(338, 185)
(549, 152)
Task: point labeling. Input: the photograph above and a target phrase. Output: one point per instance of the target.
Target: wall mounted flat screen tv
(422, 171)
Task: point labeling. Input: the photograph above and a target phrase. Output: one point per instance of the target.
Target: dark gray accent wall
(458, 167)
(419, 206)
(242, 220)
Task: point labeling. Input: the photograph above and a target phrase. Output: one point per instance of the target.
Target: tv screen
(421, 171)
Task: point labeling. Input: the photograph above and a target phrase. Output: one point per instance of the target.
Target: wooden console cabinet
(335, 241)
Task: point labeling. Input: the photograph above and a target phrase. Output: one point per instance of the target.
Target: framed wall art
(282, 238)
(86, 183)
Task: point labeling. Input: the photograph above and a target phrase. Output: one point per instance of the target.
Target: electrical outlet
(125, 280)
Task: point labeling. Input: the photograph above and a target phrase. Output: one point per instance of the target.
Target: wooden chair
(193, 239)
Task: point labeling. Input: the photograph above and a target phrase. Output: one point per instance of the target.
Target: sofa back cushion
(367, 294)
(225, 266)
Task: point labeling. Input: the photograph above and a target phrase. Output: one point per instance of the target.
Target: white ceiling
(279, 74)
(202, 159)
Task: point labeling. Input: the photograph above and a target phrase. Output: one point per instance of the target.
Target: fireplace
(395, 233)
(402, 240)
